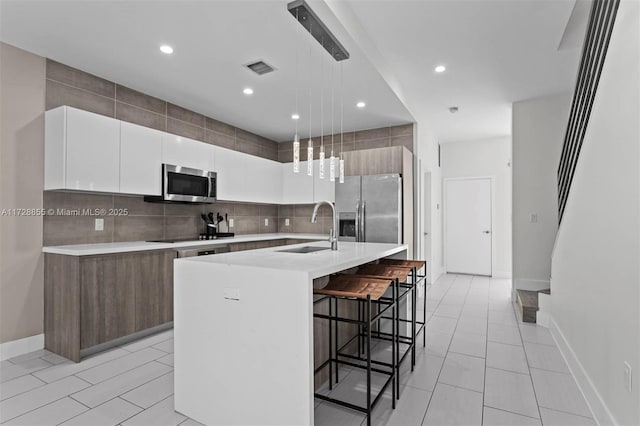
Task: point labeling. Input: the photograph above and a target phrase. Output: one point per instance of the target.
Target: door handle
(486, 232)
(362, 223)
(358, 221)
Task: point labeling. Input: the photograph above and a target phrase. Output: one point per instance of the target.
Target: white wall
(538, 133)
(595, 275)
(487, 158)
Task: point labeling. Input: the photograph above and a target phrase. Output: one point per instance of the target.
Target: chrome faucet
(333, 234)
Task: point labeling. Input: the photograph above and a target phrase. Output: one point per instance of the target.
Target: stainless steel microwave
(187, 185)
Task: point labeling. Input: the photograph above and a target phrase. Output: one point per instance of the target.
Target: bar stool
(415, 265)
(369, 291)
(400, 275)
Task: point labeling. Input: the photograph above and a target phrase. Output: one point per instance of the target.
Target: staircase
(528, 304)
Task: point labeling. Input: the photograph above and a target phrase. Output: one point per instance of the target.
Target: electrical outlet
(533, 218)
(99, 225)
(627, 377)
(266, 221)
(286, 222)
(230, 223)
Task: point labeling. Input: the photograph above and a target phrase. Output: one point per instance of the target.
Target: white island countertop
(131, 246)
(244, 331)
(316, 264)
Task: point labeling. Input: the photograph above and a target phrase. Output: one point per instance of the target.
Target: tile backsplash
(151, 221)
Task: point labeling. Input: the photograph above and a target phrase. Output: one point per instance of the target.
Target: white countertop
(316, 264)
(131, 246)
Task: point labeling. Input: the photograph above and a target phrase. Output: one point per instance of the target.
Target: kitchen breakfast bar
(243, 330)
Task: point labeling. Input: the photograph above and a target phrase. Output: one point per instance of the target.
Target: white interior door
(468, 226)
(426, 227)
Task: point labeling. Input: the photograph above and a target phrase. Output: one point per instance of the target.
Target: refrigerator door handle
(358, 221)
(362, 223)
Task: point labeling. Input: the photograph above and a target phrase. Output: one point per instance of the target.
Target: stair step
(528, 302)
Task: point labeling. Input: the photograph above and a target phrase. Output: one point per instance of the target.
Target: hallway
(481, 367)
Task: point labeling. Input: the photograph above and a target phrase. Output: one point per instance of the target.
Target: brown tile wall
(353, 141)
(69, 86)
(299, 216)
(145, 221)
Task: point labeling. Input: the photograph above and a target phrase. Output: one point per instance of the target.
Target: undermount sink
(305, 249)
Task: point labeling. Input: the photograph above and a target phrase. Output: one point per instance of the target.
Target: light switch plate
(266, 221)
(286, 222)
(230, 223)
(533, 218)
(99, 224)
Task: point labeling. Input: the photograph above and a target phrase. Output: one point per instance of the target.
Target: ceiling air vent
(260, 67)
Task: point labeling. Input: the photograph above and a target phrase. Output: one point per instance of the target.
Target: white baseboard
(596, 404)
(501, 274)
(531, 284)
(21, 346)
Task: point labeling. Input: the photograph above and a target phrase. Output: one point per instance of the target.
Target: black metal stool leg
(330, 351)
(414, 310)
(336, 334)
(368, 312)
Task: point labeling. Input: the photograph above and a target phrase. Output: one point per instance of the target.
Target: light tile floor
(481, 366)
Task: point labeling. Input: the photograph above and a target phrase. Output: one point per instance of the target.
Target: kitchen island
(243, 330)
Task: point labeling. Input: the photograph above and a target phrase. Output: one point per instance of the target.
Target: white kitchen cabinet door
(323, 189)
(185, 152)
(297, 188)
(247, 178)
(92, 151)
(140, 160)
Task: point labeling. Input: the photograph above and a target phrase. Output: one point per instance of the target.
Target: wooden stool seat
(390, 271)
(418, 264)
(355, 286)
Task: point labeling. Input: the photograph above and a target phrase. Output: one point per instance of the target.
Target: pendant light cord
(332, 104)
(310, 73)
(322, 100)
(297, 71)
(341, 112)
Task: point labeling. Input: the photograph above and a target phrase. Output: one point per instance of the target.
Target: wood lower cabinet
(153, 289)
(107, 302)
(91, 300)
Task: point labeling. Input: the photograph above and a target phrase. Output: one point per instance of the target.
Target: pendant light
(341, 125)
(321, 153)
(332, 159)
(310, 143)
(296, 138)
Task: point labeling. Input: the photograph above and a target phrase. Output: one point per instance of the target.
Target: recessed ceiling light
(295, 116)
(440, 69)
(165, 48)
(361, 104)
(248, 91)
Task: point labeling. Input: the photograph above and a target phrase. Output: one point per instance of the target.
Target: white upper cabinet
(300, 188)
(185, 152)
(244, 177)
(297, 188)
(82, 151)
(140, 160)
(323, 189)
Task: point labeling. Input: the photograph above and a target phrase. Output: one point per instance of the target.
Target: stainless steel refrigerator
(370, 208)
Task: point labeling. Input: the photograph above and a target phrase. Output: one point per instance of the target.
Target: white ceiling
(496, 52)
(119, 41)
